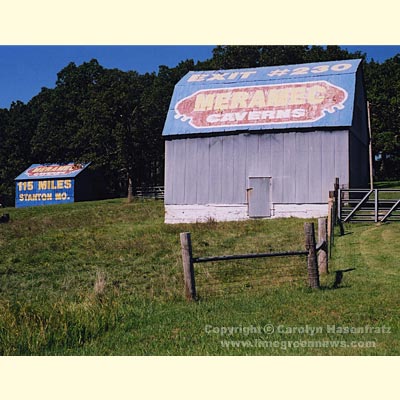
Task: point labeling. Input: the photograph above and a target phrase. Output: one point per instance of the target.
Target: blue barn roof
(251, 99)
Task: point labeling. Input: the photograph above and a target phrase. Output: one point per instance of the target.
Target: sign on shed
(45, 184)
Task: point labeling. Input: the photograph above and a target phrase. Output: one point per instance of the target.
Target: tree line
(115, 118)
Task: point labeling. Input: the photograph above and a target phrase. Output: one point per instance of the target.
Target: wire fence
(255, 270)
(254, 275)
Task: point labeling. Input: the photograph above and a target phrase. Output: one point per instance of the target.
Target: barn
(264, 142)
(45, 184)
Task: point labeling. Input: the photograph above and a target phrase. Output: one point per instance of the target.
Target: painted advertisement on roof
(54, 170)
(38, 171)
(310, 95)
(261, 105)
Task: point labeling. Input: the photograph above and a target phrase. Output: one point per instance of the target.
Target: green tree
(330, 53)
(154, 107)
(94, 114)
(4, 116)
(383, 91)
(15, 145)
(229, 57)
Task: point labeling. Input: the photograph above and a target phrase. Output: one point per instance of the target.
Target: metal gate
(365, 205)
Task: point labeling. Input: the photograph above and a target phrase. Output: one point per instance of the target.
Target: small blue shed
(45, 184)
(264, 142)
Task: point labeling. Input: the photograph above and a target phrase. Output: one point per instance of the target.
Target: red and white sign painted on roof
(53, 170)
(261, 105)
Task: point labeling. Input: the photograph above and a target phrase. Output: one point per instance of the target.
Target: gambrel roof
(311, 95)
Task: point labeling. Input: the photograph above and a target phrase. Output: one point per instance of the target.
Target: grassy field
(105, 278)
(387, 185)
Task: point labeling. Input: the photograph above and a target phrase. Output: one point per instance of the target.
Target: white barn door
(259, 197)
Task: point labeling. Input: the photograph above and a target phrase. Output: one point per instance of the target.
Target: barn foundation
(194, 213)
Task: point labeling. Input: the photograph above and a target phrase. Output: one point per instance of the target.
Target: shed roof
(279, 97)
(51, 171)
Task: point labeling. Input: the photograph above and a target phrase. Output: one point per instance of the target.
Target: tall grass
(34, 328)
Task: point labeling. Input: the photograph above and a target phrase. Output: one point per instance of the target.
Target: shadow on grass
(347, 233)
(334, 288)
(338, 280)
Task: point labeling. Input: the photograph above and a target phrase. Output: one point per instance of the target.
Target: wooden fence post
(376, 205)
(312, 267)
(188, 270)
(330, 221)
(336, 187)
(323, 252)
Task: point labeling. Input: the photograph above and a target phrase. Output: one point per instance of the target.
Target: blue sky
(24, 70)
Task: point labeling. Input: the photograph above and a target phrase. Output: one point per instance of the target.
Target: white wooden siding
(215, 170)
